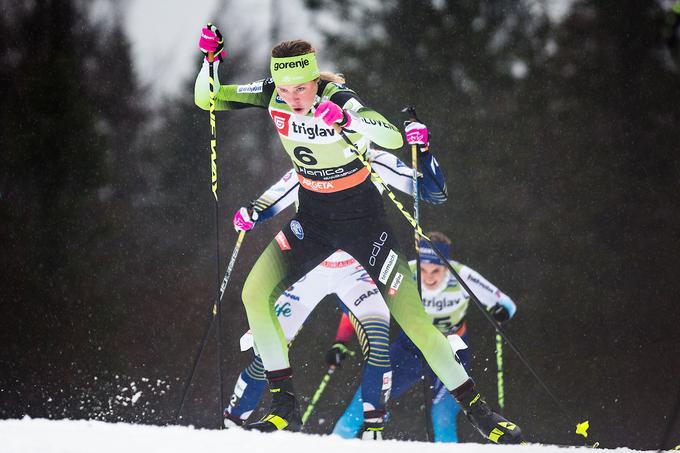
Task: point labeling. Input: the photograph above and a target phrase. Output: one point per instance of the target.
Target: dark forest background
(559, 141)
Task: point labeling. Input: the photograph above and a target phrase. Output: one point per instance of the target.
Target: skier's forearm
(485, 291)
(266, 212)
(432, 186)
(202, 85)
(229, 97)
(392, 170)
(278, 197)
(373, 125)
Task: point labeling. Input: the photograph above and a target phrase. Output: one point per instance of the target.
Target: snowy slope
(67, 436)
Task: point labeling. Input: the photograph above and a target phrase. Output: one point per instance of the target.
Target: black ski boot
(284, 412)
(374, 423)
(491, 425)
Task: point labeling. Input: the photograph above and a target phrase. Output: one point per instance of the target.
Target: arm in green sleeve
(373, 125)
(365, 120)
(230, 97)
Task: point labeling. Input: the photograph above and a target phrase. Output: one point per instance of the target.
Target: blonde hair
(301, 47)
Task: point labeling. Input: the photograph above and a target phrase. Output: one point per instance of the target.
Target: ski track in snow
(81, 436)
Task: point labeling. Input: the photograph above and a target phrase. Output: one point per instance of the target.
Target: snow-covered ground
(68, 436)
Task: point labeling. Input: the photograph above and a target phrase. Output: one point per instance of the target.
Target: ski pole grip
(211, 55)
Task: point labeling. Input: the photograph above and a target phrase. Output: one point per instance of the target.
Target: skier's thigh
(297, 302)
(361, 296)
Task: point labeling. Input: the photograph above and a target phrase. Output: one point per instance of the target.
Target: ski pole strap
(317, 395)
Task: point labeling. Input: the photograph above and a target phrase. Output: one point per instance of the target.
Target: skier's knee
(423, 338)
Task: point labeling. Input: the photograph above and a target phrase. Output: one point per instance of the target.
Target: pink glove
(331, 113)
(416, 134)
(212, 41)
(244, 220)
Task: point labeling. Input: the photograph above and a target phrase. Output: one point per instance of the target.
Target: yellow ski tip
(582, 428)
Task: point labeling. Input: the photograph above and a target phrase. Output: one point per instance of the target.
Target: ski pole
(499, 371)
(206, 335)
(213, 186)
(317, 394)
(581, 428)
(213, 126)
(416, 196)
(427, 385)
(319, 391)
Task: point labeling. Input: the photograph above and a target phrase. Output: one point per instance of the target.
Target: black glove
(499, 313)
(336, 355)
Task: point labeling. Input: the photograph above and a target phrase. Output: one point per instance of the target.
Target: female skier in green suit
(339, 208)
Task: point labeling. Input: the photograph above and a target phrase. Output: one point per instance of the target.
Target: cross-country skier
(339, 208)
(342, 275)
(446, 302)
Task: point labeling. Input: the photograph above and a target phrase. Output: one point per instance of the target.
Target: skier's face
(299, 97)
(431, 275)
